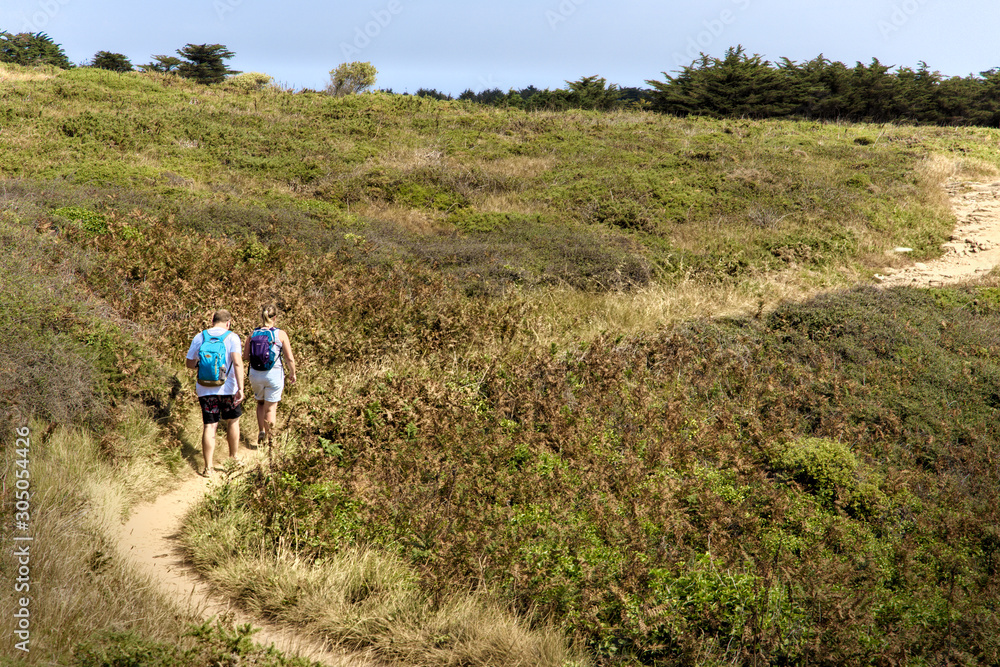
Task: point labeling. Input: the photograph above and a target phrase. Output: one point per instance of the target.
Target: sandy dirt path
(151, 539)
(974, 248)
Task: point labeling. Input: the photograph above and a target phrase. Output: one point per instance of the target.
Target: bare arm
(246, 349)
(288, 357)
(238, 367)
(192, 361)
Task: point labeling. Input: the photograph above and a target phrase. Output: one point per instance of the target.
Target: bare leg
(233, 437)
(208, 445)
(270, 417)
(261, 421)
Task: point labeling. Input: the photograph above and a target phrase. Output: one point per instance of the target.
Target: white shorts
(268, 385)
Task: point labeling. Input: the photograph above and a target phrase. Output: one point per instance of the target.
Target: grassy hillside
(576, 388)
(585, 199)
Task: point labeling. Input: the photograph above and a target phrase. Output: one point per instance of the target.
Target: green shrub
(252, 251)
(826, 468)
(351, 78)
(625, 214)
(117, 130)
(249, 81)
(115, 62)
(121, 649)
(214, 644)
(90, 221)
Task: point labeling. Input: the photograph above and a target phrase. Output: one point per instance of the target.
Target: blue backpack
(262, 356)
(213, 360)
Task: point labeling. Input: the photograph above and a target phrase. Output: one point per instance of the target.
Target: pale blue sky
(452, 45)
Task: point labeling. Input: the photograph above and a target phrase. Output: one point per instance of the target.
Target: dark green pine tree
(987, 102)
(592, 92)
(957, 102)
(823, 87)
(734, 85)
(162, 64)
(679, 95)
(26, 48)
(116, 62)
(873, 95)
(204, 63)
(917, 94)
(745, 85)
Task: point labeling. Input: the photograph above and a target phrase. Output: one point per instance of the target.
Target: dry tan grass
(932, 174)
(407, 159)
(724, 232)
(415, 150)
(78, 584)
(564, 316)
(417, 221)
(519, 167)
(507, 202)
(15, 73)
(370, 602)
(975, 170)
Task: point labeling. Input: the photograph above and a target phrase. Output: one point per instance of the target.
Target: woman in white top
(268, 384)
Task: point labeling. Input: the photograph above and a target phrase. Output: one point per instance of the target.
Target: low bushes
(728, 490)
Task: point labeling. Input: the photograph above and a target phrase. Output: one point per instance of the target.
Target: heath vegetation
(578, 387)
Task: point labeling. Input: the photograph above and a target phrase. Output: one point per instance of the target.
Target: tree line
(740, 85)
(737, 85)
(589, 92)
(743, 85)
(204, 63)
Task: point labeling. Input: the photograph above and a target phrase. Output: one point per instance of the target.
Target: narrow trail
(974, 248)
(151, 539)
(151, 536)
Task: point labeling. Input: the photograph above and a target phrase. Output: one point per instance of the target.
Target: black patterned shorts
(218, 407)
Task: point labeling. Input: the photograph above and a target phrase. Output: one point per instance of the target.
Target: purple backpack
(262, 356)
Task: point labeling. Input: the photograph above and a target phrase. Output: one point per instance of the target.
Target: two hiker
(217, 354)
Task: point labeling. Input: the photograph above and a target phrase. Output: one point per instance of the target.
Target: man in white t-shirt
(225, 401)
